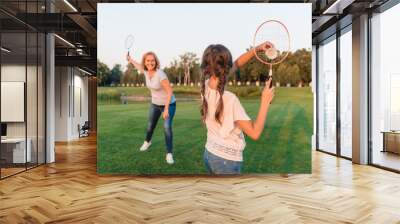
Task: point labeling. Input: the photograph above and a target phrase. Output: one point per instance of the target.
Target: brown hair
(155, 57)
(217, 61)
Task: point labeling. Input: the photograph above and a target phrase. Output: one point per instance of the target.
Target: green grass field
(283, 148)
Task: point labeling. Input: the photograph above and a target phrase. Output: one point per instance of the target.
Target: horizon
(162, 67)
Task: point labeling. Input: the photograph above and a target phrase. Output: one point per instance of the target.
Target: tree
(195, 72)
(295, 69)
(187, 61)
(184, 70)
(284, 73)
(281, 74)
(116, 74)
(303, 57)
(130, 75)
(293, 74)
(174, 71)
(102, 73)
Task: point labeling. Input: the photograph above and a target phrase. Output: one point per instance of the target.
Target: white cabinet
(18, 149)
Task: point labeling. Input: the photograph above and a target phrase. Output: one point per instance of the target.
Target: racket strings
(277, 34)
(129, 42)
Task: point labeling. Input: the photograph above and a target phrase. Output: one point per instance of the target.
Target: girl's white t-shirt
(158, 94)
(225, 140)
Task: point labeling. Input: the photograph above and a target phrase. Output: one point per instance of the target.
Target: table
(391, 141)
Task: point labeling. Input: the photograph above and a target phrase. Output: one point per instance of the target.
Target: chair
(84, 130)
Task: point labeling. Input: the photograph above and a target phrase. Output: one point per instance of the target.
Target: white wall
(62, 81)
(80, 110)
(13, 72)
(71, 94)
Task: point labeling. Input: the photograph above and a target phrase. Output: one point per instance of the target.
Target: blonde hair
(155, 57)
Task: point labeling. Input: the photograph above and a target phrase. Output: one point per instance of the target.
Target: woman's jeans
(218, 165)
(155, 112)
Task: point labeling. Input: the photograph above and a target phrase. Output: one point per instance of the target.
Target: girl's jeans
(218, 165)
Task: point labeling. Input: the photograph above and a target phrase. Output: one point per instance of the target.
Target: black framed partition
(345, 92)
(384, 87)
(23, 89)
(326, 95)
(333, 83)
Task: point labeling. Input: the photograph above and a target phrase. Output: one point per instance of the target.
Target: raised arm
(245, 57)
(137, 65)
(253, 129)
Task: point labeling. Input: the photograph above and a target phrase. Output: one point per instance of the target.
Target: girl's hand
(165, 114)
(128, 57)
(268, 93)
(264, 46)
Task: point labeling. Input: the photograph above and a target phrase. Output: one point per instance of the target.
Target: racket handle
(128, 53)
(270, 76)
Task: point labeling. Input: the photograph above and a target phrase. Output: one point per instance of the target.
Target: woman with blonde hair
(162, 100)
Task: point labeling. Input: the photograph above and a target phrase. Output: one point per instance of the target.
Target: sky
(172, 29)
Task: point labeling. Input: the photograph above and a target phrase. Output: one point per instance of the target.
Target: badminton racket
(276, 39)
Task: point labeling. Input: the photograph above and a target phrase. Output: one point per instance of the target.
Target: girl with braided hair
(222, 112)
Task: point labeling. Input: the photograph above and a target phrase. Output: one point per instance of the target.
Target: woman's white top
(158, 94)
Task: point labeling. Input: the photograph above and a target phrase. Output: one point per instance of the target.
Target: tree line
(294, 70)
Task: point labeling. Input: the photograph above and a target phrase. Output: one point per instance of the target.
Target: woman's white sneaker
(145, 146)
(169, 158)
